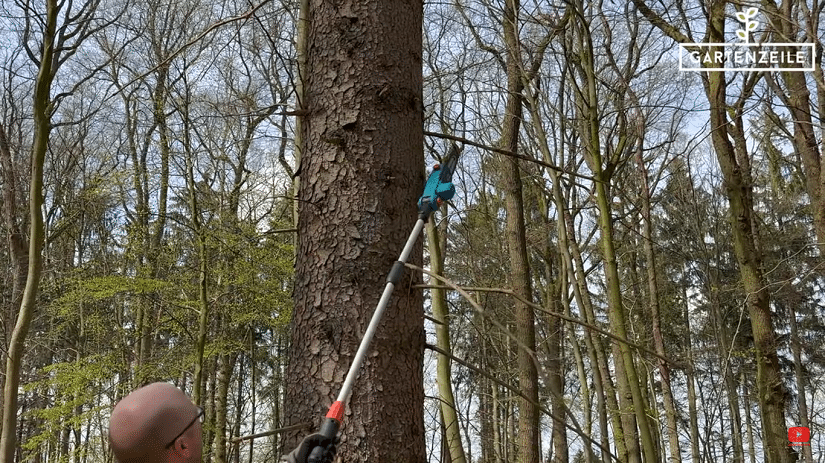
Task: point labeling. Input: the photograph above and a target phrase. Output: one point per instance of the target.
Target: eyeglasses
(197, 417)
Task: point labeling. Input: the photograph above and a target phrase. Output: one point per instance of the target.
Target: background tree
(449, 415)
(50, 37)
(727, 135)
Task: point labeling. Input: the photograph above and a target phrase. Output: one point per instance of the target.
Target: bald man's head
(147, 421)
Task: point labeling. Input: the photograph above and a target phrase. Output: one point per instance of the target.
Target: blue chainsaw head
(439, 184)
(434, 190)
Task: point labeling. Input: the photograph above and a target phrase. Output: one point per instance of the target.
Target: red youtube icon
(799, 434)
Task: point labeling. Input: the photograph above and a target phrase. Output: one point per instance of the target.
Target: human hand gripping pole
(320, 447)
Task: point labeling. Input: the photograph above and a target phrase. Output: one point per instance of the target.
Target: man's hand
(305, 448)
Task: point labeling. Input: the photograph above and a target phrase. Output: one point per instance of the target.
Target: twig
(294, 427)
(509, 153)
(575, 320)
(521, 394)
(245, 15)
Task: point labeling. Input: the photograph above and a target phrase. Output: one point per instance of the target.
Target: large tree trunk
(361, 175)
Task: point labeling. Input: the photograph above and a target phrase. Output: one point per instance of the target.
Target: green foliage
(93, 289)
(255, 276)
(70, 392)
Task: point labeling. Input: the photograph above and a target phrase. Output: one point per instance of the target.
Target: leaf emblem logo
(750, 25)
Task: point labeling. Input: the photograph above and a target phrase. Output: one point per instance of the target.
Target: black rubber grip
(396, 272)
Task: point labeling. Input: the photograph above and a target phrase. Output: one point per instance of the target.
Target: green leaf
(752, 11)
(741, 17)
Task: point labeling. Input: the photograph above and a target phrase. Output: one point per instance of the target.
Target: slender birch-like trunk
(452, 429)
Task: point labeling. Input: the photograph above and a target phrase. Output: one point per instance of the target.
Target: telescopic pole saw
(439, 188)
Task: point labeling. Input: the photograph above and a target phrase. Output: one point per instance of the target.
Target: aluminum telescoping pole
(392, 279)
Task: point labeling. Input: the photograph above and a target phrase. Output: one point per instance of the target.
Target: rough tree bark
(361, 174)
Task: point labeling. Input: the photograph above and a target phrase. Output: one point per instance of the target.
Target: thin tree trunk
(277, 411)
(628, 381)
(488, 402)
(584, 380)
(498, 425)
(797, 99)
(17, 244)
(233, 446)
(528, 423)
(139, 234)
(626, 406)
(653, 305)
(203, 268)
(739, 191)
(748, 420)
(605, 389)
(148, 312)
(226, 364)
(452, 431)
(796, 349)
(511, 436)
(17, 249)
(42, 108)
(693, 414)
(555, 367)
(630, 418)
(553, 342)
(253, 393)
(210, 397)
(723, 346)
(567, 278)
(159, 100)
